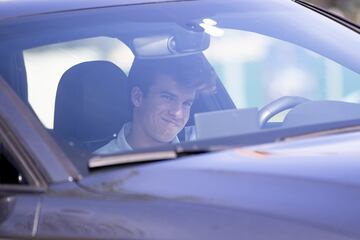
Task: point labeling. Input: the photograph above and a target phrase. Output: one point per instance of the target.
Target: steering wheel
(277, 106)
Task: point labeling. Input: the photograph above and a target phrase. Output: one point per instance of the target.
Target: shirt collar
(121, 137)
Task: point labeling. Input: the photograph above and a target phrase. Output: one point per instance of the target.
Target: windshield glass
(130, 78)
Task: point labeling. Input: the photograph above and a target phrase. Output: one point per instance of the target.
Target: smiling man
(161, 92)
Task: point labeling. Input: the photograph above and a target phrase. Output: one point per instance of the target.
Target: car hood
(313, 179)
(227, 176)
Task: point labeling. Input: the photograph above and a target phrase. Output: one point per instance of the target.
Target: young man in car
(161, 93)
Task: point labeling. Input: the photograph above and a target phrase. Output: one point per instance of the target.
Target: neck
(137, 138)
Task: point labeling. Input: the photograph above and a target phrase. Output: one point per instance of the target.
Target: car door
(20, 190)
(29, 163)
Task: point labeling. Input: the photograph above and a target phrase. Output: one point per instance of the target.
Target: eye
(188, 104)
(167, 97)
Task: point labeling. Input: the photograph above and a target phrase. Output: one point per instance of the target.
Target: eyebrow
(169, 93)
(176, 96)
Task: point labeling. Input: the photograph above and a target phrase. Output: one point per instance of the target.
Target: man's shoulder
(110, 147)
(118, 144)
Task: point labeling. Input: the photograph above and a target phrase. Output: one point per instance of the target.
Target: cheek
(162, 107)
(156, 113)
(151, 107)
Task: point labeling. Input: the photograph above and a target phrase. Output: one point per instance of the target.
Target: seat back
(91, 104)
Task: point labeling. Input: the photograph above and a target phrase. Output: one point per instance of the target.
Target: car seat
(91, 104)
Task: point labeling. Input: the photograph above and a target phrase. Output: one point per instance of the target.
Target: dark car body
(299, 182)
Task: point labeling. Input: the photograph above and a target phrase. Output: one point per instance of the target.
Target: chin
(165, 135)
(166, 139)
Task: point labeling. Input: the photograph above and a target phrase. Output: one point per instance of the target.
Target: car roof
(20, 8)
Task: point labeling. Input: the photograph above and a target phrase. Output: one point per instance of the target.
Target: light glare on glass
(212, 30)
(209, 21)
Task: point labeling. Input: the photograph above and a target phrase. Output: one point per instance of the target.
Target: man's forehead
(164, 83)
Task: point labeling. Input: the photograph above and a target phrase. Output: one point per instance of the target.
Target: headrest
(91, 102)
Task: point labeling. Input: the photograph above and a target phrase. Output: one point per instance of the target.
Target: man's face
(165, 109)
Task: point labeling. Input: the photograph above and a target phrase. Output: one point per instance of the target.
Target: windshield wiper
(353, 26)
(110, 160)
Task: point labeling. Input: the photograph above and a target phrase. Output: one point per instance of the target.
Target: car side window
(45, 66)
(9, 172)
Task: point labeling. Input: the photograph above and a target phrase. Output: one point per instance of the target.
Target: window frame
(30, 148)
(36, 181)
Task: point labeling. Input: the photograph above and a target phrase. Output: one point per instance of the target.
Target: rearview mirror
(188, 42)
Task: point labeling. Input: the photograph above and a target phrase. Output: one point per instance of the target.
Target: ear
(136, 96)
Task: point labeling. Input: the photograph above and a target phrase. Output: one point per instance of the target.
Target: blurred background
(349, 9)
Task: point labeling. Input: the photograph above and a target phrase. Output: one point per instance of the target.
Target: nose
(177, 111)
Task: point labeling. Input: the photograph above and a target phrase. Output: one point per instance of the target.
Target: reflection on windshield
(257, 69)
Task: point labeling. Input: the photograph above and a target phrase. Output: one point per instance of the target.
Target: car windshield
(137, 77)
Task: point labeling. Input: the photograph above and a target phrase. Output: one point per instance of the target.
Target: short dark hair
(192, 71)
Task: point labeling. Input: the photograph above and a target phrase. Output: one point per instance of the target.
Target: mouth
(172, 122)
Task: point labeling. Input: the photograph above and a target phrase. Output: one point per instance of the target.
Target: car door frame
(32, 139)
(38, 159)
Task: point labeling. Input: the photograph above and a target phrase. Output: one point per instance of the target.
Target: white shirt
(120, 144)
